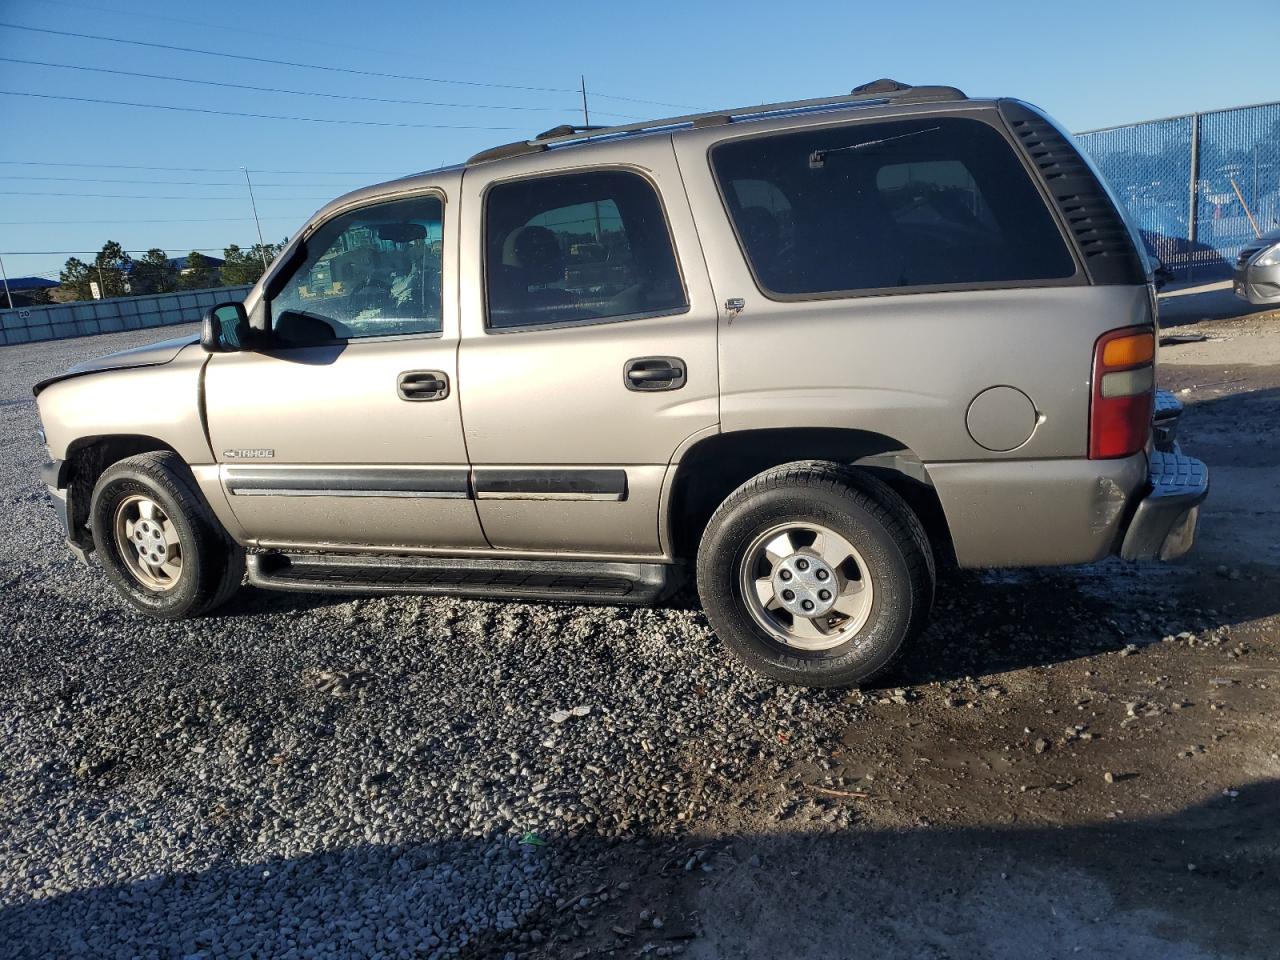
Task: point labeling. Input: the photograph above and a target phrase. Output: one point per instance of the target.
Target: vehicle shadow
(253, 602)
(1201, 883)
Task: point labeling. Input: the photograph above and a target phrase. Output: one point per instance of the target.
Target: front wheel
(158, 542)
(815, 574)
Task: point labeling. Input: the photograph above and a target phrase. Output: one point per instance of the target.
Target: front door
(590, 350)
(345, 428)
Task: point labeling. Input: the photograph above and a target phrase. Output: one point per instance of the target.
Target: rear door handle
(647, 374)
(422, 385)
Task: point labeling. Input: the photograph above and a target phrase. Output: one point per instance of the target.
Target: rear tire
(821, 539)
(158, 542)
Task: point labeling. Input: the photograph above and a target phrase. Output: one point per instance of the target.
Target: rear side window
(578, 248)
(879, 206)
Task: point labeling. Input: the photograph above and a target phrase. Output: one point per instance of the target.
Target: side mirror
(226, 328)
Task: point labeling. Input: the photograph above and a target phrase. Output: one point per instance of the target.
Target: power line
(327, 67)
(137, 196)
(59, 253)
(162, 183)
(127, 223)
(137, 166)
(300, 93)
(252, 116)
(293, 38)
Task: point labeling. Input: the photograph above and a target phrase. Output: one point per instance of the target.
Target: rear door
(589, 354)
(346, 430)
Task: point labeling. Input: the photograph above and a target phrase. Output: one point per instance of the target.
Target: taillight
(1123, 389)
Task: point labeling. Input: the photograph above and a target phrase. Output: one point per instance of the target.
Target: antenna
(262, 247)
(586, 117)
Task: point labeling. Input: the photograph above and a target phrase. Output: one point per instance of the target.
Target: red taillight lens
(1123, 390)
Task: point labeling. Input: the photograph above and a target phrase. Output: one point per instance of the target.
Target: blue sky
(1091, 64)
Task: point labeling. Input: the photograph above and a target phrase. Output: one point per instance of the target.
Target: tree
(198, 273)
(109, 270)
(154, 273)
(74, 280)
(246, 266)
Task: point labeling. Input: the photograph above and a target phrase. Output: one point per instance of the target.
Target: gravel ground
(339, 778)
(420, 777)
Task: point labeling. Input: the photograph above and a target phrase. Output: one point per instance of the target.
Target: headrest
(759, 225)
(536, 252)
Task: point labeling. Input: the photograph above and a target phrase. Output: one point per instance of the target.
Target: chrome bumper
(1163, 526)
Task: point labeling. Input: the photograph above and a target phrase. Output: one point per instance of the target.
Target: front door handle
(646, 374)
(422, 385)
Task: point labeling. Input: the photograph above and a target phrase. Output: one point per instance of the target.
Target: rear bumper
(1032, 513)
(1163, 524)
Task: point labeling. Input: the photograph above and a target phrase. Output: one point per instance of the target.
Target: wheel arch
(716, 465)
(87, 458)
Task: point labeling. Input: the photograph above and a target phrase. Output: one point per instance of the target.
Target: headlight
(1269, 257)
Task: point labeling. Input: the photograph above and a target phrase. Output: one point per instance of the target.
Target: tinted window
(370, 273)
(884, 205)
(580, 247)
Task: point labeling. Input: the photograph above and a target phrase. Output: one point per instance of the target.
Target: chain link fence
(1199, 187)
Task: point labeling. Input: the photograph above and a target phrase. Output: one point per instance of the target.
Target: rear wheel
(157, 540)
(815, 574)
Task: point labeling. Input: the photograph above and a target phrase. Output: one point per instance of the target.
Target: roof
(181, 262)
(875, 93)
(31, 283)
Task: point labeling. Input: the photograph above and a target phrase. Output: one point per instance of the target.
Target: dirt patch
(1076, 762)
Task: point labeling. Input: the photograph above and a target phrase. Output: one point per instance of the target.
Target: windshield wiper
(818, 158)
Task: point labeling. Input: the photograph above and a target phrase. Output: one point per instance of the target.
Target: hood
(149, 355)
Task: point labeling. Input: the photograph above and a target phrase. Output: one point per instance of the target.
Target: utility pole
(586, 122)
(262, 247)
(7, 295)
(101, 280)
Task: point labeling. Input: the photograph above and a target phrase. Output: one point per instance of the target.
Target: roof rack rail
(565, 129)
(878, 91)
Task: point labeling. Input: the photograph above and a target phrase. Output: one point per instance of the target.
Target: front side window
(373, 272)
(874, 206)
(580, 247)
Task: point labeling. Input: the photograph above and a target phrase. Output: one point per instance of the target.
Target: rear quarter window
(928, 203)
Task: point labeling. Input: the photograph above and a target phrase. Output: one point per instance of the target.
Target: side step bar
(570, 580)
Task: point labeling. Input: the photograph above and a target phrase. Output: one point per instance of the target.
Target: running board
(571, 580)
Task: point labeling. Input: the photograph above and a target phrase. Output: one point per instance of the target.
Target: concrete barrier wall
(58, 321)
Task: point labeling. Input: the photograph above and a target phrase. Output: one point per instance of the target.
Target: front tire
(158, 542)
(816, 574)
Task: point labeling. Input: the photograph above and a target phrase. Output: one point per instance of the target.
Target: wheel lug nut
(788, 595)
(824, 595)
(802, 564)
(808, 604)
(785, 575)
(822, 574)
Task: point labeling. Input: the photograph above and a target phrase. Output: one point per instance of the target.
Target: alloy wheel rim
(147, 542)
(807, 586)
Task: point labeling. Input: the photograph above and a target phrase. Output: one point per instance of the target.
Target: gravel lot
(1074, 762)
